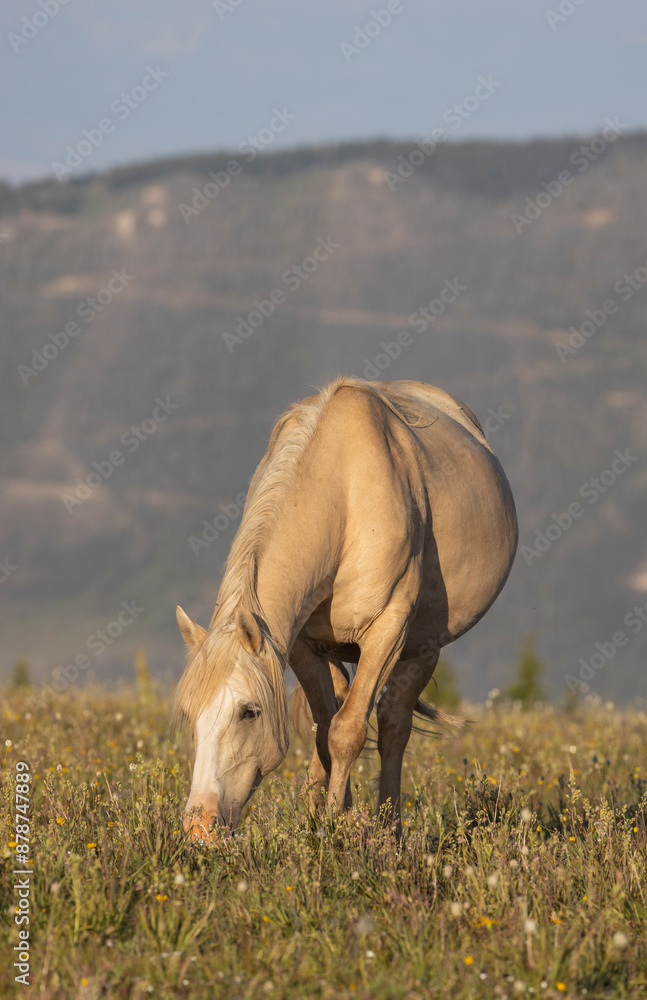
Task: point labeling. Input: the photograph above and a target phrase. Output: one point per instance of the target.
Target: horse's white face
(235, 748)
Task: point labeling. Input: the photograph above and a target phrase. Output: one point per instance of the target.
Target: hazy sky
(229, 64)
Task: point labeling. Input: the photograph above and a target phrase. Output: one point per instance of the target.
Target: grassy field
(523, 869)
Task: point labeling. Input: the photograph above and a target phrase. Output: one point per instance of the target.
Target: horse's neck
(296, 571)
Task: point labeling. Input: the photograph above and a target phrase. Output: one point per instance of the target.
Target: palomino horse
(379, 526)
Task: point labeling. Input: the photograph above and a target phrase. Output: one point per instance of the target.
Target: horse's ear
(192, 633)
(249, 632)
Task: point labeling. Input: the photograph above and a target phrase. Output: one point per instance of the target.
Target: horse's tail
(425, 711)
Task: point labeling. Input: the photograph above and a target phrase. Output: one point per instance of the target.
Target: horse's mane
(210, 666)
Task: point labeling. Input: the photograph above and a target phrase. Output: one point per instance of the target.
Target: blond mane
(210, 667)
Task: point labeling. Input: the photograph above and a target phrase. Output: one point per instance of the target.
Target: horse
(378, 527)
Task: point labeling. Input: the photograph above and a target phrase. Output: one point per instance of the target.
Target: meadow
(522, 870)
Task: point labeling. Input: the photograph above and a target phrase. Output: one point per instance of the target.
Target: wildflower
(355, 876)
(289, 888)
(555, 919)
(524, 851)
(91, 845)
(8, 744)
(54, 887)
(60, 820)
(266, 919)
(570, 750)
(132, 767)
(447, 871)
(519, 986)
(492, 880)
(161, 897)
(469, 960)
(572, 839)
(561, 987)
(456, 909)
(514, 864)
(530, 927)
(370, 954)
(620, 940)
(84, 982)
(179, 879)
(526, 815)
(364, 926)
(484, 922)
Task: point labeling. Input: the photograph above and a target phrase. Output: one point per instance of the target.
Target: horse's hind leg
(394, 720)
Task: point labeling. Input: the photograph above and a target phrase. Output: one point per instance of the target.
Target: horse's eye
(249, 713)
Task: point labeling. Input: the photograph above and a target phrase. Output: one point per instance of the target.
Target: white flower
(530, 927)
(447, 871)
(370, 954)
(132, 767)
(8, 743)
(429, 860)
(572, 749)
(242, 885)
(355, 876)
(525, 852)
(526, 815)
(118, 717)
(514, 864)
(456, 909)
(620, 940)
(179, 879)
(519, 986)
(492, 880)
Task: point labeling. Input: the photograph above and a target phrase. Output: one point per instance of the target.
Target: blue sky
(230, 64)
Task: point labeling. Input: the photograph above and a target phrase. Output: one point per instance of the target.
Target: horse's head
(232, 694)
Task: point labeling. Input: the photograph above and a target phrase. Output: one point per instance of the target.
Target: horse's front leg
(380, 651)
(394, 720)
(314, 674)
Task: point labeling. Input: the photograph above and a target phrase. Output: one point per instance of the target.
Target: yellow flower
(555, 919)
(289, 888)
(161, 896)
(60, 820)
(572, 838)
(84, 982)
(266, 920)
(484, 922)
(561, 987)
(111, 824)
(91, 845)
(469, 960)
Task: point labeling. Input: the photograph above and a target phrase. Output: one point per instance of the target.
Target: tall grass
(523, 868)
